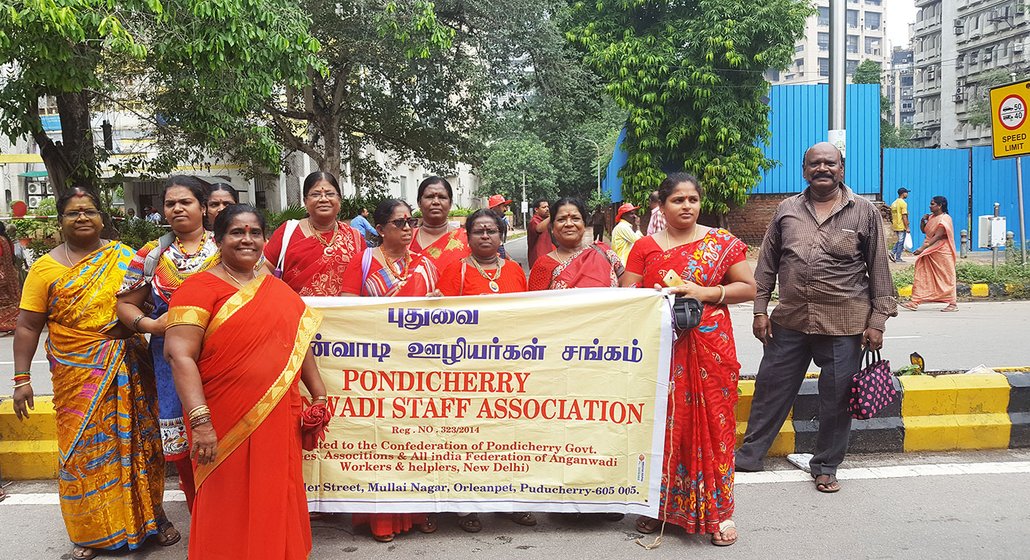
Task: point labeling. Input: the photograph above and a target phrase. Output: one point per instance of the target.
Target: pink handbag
(872, 388)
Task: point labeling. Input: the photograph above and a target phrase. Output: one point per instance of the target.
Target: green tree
(202, 62)
(870, 72)
(979, 113)
(511, 161)
(690, 77)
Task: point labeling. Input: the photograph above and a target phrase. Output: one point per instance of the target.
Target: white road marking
(766, 477)
(901, 337)
(12, 363)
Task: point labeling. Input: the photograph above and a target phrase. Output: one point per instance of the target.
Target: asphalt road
(878, 514)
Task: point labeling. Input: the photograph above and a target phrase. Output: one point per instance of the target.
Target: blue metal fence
(928, 173)
(994, 180)
(798, 118)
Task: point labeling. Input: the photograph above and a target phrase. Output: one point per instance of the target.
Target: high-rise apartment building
(865, 40)
(961, 49)
(898, 87)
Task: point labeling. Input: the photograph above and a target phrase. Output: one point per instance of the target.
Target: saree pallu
(593, 266)
(935, 275)
(111, 477)
(416, 278)
(314, 267)
(697, 471)
(10, 287)
(250, 501)
(450, 248)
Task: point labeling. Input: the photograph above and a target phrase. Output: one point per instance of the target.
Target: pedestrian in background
(220, 195)
(499, 204)
(597, 223)
(538, 232)
(656, 222)
(361, 223)
(935, 276)
(626, 230)
(899, 224)
(825, 247)
(709, 265)
(10, 284)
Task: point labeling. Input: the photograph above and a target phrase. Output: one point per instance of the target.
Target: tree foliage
(511, 161)
(979, 113)
(690, 76)
(870, 72)
(187, 67)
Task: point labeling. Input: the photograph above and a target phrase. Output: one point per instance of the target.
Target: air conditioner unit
(1020, 8)
(36, 188)
(988, 57)
(960, 27)
(34, 201)
(1017, 48)
(959, 97)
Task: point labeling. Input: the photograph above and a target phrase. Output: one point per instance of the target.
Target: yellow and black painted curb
(932, 413)
(981, 290)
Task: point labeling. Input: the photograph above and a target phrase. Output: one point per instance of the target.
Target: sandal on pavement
(828, 484)
(647, 525)
(724, 528)
(383, 538)
(470, 523)
(167, 534)
(523, 518)
(910, 306)
(83, 553)
(951, 308)
(427, 526)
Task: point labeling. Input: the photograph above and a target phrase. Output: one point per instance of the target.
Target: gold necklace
(389, 266)
(229, 274)
(572, 254)
(492, 280)
(68, 256)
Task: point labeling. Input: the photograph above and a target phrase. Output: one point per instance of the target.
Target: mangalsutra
(492, 280)
(229, 274)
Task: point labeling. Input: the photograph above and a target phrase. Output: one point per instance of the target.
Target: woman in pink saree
(935, 276)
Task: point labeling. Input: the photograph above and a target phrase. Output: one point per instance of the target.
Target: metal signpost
(1009, 137)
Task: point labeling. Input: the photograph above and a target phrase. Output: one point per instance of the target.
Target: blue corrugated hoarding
(799, 118)
(928, 173)
(612, 183)
(994, 180)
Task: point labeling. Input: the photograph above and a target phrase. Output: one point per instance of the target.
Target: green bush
(137, 233)
(975, 273)
(275, 219)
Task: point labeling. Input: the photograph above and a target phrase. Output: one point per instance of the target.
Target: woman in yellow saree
(238, 341)
(111, 476)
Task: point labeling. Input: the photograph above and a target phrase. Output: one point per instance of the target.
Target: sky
(898, 14)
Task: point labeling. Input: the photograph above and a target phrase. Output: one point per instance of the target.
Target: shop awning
(33, 174)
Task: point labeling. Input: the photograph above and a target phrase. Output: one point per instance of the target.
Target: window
(824, 15)
(872, 45)
(824, 41)
(799, 47)
(852, 43)
(799, 62)
(872, 20)
(873, 2)
(824, 67)
(852, 18)
(850, 67)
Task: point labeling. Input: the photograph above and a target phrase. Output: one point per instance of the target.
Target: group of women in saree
(220, 399)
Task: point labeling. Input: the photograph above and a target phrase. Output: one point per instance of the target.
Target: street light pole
(598, 148)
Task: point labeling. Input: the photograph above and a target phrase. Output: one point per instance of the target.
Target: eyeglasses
(484, 232)
(76, 214)
(328, 195)
(399, 223)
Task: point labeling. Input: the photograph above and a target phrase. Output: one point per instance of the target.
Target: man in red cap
(499, 204)
(625, 233)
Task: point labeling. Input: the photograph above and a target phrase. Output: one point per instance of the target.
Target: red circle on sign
(1002, 106)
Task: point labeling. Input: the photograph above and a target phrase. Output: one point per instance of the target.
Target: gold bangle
(135, 322)
(321, 398)
(199, 411)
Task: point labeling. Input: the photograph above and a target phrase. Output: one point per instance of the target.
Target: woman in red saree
(10, 284)
(709, 265)
(436, 238)
(391, 270)
(238, 341)
(935, 277)
(320, 247)
(572, 264)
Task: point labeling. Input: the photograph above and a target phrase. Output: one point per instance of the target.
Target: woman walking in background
(157, 270)
(709, 265)
(111, 474)
(10, 284)
(935, 276)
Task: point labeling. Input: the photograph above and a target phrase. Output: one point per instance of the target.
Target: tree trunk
(77, 142)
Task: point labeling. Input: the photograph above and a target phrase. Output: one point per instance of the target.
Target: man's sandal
(523, 518)
(648, 525)
(724, 527)
(83, 553)
(167, 534)
(828, 485)
(470, 523)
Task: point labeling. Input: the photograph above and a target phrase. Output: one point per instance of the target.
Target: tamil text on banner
(550, 401)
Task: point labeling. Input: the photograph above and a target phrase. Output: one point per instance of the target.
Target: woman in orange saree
(709, 265)
(435, 238)
(238, 340)
(111, 472)
(935, 278)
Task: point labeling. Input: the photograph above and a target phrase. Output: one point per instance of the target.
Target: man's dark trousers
(779, 378)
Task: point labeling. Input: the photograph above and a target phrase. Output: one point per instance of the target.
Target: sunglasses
(399, 223)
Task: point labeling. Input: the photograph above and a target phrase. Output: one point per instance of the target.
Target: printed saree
(593, 266)
(111, 477)
(697, 475)
(10, 287)
(451, 247)
(415, 278)
(250, 501)
(935, 275)
(173, 269)
(314, 265)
